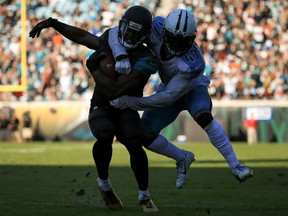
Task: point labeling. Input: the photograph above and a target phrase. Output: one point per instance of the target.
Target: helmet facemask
(134, 26)
(130, 34)
(177, 44)
(179, 31)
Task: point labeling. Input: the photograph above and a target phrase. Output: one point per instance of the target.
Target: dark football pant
(105, 122)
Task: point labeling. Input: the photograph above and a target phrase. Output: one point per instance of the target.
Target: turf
(59, 179)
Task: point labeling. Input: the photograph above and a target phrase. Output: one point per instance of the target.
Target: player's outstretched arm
(77, 35)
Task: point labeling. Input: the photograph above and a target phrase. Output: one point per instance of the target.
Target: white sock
(143, 193)
(220, 140)
(105, 185)
(162, 146)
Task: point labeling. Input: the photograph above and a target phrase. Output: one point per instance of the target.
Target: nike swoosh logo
(185, 171)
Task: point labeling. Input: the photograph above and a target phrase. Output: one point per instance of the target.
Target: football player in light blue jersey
(183, 87)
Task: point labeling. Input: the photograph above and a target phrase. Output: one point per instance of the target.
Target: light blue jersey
(183, 85)
(178, 75)
(191, 64)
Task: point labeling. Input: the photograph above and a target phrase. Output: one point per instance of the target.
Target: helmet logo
(135, 26)
(179, 22)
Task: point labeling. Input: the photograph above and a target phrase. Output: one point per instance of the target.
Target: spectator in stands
(13, 126)
(251, 125)
(27, 130)
(4, 121)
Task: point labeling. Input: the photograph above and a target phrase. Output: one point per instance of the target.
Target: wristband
(120, 57)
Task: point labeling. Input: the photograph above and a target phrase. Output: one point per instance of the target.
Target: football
(107, 66)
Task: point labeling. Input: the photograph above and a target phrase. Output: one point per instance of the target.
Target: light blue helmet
(180, 30)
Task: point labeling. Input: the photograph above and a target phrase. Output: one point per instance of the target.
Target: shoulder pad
(146, 65)
(159, 20)
(158, 23)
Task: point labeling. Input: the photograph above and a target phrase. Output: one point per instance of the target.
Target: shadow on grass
(71, 190)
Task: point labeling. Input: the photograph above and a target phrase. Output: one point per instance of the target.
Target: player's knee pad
(203, 119)
(129, 140)
(107, 135)
(103, 135)
(133, 146)
(129, 136)
(148, 138)
(100, 129)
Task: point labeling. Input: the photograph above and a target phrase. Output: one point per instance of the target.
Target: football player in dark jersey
(105, 121)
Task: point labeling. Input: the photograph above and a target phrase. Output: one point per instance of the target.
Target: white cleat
(183, 168)
(241, 173)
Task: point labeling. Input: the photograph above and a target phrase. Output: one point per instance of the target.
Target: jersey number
(192, 56)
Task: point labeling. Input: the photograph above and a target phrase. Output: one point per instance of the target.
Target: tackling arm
(166, 95)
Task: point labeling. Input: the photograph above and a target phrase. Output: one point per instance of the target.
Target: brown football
(107, 66)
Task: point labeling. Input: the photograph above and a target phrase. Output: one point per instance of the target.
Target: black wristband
(120, 57)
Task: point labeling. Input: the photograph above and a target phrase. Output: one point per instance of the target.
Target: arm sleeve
(77, 35)
(117, 48)
(175, 89)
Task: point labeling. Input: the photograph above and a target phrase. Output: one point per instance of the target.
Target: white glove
(123, 66)
(121, 102)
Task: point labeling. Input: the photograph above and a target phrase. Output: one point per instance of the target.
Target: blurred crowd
(244, 42)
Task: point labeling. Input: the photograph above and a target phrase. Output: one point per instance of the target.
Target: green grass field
(59, 179)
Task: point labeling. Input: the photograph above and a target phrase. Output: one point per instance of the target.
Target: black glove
(41, 25)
